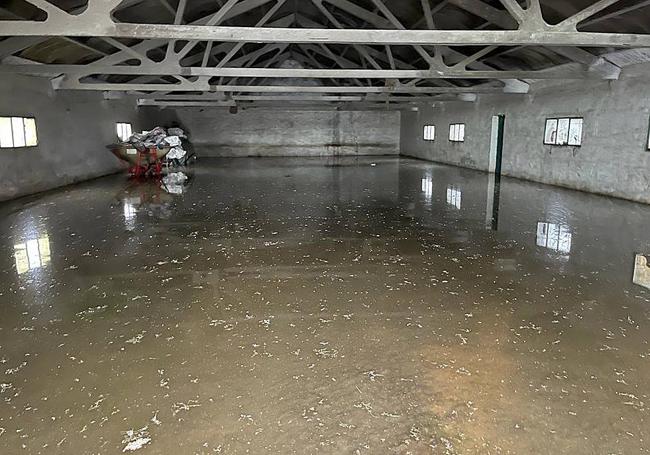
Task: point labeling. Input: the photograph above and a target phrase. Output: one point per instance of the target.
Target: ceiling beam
(80, 27)
(156, 69)
(217, 91)
(282, 102)
(367, 92)
(301, 97)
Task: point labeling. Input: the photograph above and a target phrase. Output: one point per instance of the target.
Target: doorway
(494, 168)
(496, 144)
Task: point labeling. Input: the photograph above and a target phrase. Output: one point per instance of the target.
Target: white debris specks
(224, 324)
(16, 369)
(246, 418)
(135, 439)
(326, 352)
(184, 407)
(155, 419)
(96, 404)
(136, 339)
(5, 386)
(365, 406)
(373, 376)
(91, 311)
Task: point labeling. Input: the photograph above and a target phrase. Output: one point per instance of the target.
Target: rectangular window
(566, 131)
(124, 131)
(429, 133)
(17, 132)
(457, 132)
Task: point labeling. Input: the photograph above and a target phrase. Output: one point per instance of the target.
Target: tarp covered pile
(160, 137)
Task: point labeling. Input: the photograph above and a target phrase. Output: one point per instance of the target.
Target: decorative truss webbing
(533, 30)
(193, 66)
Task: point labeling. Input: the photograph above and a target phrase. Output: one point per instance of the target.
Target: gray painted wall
(216, 132)
(73, 129)
(612, 160)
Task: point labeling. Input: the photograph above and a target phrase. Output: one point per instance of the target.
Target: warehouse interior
(414, 226)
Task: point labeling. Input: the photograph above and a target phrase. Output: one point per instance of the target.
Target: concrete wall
(612, 160)
(218, 133)
(73, 129)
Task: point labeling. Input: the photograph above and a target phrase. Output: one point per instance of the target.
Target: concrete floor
(323, 306)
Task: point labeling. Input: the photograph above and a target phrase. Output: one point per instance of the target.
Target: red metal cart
(148, 163)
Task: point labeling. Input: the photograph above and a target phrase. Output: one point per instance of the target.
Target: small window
(429, 133)
(457, 132)
(17, 132)
(124, 131)
(566, 131)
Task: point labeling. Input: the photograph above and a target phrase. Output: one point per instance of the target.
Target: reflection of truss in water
(641, 271)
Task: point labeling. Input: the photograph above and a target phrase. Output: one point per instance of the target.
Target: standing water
(291, 306)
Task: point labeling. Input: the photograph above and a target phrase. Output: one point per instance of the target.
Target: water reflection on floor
(331, 306)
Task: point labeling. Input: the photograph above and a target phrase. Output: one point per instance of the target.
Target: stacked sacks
(160, 138)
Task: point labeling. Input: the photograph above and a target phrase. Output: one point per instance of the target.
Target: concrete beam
(156, 69)
(218, 91)
(551, 36)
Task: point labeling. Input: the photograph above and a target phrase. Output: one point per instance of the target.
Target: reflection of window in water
(556, 237)
(33, 254)
(454, 197)
(427, 187)
(641, 271)
(130, 211)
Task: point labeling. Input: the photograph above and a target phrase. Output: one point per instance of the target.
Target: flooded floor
(354, 306)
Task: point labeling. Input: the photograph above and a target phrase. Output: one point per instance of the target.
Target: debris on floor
(147, 151)
(158, 137)
(135, 439)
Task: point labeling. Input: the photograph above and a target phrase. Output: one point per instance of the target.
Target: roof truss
(339, 55)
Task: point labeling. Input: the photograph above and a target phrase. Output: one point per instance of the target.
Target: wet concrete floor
(352, 306)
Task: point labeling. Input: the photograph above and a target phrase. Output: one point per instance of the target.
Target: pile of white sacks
(161, 138)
